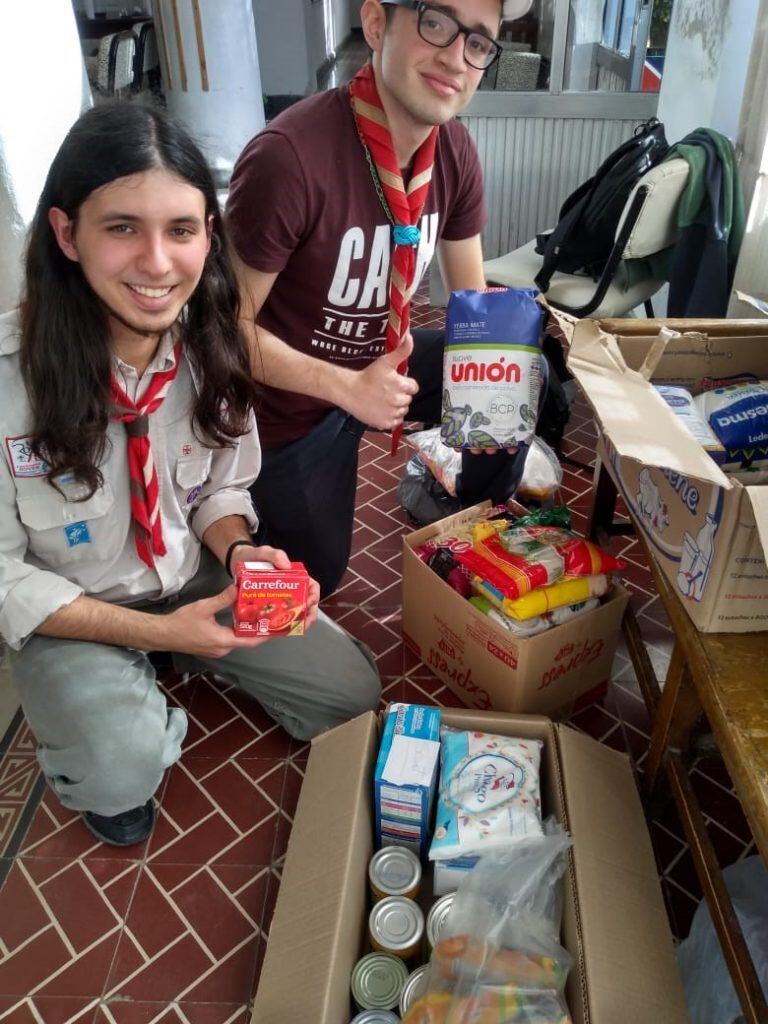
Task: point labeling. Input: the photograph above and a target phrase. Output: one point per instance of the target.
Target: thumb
(403, 351)
(223, 600)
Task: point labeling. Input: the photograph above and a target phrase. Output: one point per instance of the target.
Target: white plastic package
(489, 793)
(542, 473)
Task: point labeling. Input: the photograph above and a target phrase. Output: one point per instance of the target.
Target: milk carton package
(683, 406)
(492, 370)
(405, 778)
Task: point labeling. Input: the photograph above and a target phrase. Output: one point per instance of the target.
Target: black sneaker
(124, 829)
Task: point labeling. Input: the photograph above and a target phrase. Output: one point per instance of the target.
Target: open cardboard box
(484, 664)
(707, 530)
(614, 922)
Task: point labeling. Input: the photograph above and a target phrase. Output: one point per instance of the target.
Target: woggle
(406, 234)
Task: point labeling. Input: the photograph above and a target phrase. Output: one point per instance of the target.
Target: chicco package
(492, 368)
(738, 414)
(489, 793)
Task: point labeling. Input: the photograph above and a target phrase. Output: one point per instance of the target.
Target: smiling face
(141, 241)
(428, 84)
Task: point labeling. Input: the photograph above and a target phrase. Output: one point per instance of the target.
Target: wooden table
(725, 676)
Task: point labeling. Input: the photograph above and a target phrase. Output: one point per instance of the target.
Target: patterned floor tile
(174, 931)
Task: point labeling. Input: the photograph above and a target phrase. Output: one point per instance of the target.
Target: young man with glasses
(336, 210)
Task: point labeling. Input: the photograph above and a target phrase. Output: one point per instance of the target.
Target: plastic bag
(709, 990)
(738, 414)
(542, 473)
(422, 496)
(499, 959)
(521, 560)
(444, 463)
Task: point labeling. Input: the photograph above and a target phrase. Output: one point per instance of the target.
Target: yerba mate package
(492, 368)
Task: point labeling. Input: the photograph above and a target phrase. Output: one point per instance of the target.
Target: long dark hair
(65, 353)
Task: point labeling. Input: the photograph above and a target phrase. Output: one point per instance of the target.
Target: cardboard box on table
(484, 664)
(614, 922)
(708, 531)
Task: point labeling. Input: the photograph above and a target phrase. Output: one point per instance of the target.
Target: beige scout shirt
(54, 548)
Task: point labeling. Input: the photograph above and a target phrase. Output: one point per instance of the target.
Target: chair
(146, 60)
(648, 225)
(114, 70)
(518, 71)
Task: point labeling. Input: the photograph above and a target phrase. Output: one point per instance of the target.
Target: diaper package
(492, 368)
(489, 793)
(738, 414)
(682, 405)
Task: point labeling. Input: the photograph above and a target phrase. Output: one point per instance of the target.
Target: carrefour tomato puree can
(270, 601)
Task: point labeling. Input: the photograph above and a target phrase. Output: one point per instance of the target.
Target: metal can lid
(394, 870)
(377, 981)
(375, 1017)
(396, 922)
(414, 988)
(437, 915)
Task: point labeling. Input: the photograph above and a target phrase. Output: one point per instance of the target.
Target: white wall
(706, 65)
(294, 38)
(230, 111)
(281, 35)
(43, 91)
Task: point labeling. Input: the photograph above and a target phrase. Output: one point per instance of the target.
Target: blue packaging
(405, 778)
(492, 371)
(738, 414)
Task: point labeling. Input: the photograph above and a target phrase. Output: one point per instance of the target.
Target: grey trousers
(105, 732)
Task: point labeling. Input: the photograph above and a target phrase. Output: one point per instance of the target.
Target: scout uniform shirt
(53, 548)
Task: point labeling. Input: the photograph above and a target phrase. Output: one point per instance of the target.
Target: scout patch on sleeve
(24, 462)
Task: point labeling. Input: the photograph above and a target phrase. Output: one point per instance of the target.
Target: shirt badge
(24, 462)
(77, 533)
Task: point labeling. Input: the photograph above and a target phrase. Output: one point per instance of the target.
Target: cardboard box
(487, 667)
(707, 530)
(614, 922)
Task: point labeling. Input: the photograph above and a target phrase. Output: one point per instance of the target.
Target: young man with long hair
(129, 444)
(336, 209)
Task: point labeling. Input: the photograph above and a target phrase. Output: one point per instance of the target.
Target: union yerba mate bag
(492, 368)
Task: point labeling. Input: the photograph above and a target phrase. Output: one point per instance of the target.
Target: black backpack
(589, 217)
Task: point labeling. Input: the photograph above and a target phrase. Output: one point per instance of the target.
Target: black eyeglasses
(437, 27)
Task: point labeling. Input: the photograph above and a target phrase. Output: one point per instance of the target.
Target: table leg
(735, 950)
(675, 717)
(604, 496)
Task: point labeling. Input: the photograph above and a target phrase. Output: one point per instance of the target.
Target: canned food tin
(377, 981)
(414, 988)
(437, 915)
(394, 871)
(396, 925)
(375, 1017)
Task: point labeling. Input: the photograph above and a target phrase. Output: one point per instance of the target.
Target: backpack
(555, 408)
(590, 216)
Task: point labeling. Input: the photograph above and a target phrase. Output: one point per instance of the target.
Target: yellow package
(568, 590)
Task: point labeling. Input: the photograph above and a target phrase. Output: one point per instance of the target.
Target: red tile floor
(175, 931)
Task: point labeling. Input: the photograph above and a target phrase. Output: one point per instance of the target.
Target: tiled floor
(175, 931)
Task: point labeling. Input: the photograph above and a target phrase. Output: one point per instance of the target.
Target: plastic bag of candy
(498, 959)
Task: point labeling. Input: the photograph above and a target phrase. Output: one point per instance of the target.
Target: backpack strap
(554, 242)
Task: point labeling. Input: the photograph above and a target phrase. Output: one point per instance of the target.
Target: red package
(270, 601)
(520, 560)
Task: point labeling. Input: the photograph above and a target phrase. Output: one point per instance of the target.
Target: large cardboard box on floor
(614, 922)
(708, 530)
(485, 665)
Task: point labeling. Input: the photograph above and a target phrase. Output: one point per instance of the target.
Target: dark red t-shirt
(302, 204)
